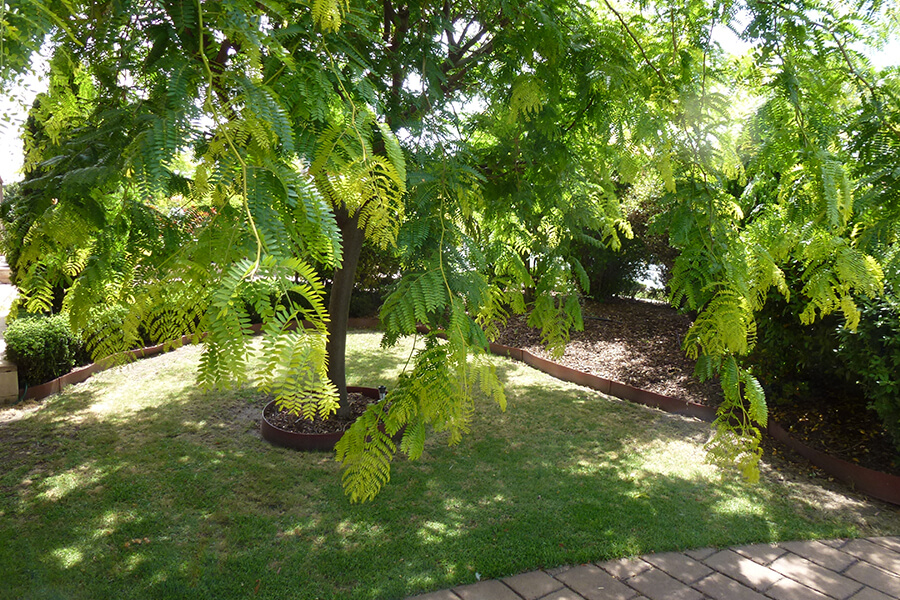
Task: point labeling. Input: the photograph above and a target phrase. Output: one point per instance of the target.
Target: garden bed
(640, 344)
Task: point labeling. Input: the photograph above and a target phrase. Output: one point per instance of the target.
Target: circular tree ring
(306, 441)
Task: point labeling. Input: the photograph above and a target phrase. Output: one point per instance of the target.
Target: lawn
(136, 484)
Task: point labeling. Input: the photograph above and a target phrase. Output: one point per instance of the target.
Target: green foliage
(794, 360)
(438, 394)
(43, 348)
(353, 177)
(871, 356)
(483, 140)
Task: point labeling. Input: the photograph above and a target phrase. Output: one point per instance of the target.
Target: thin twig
(634, 38)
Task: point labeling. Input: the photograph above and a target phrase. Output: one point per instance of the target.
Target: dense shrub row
(871, 358)
(43, 348)
(818, 361)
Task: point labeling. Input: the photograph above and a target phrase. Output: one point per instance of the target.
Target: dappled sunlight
(58, 486)
(435, 531)
(195, 426)
(370, 365)
(119, 393)
(107, 524)
(676, 458)
(68, 557)
(353, 533)
(565, 476)
(12, 414)
(133, 561)
(738, 505)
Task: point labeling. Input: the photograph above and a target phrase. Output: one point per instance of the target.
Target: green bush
(43, 348)
(871, 357)
(795, 361)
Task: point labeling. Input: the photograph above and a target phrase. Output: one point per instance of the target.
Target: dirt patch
(630, 341)
(297, 424)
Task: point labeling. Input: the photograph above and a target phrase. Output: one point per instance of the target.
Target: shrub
(43, 348)
(795, 361)
(871, 356)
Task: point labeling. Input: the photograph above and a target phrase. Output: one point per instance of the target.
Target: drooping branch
(862, 80)
(635, 40)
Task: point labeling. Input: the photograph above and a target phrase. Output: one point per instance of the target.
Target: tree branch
(634, 38)
(580, 114)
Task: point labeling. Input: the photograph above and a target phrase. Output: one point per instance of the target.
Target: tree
(483, 138)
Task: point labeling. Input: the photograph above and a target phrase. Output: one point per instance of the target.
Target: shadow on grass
(183, 499)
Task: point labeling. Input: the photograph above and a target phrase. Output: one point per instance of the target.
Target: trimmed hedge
(43, 348)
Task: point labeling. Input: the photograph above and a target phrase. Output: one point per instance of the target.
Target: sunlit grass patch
(137, 484)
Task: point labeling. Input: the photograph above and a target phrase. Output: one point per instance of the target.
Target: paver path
(862, 569)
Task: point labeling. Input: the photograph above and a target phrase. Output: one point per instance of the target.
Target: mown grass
(138, 485)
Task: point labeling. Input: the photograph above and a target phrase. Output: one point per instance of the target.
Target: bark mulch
(640, 343)
(297, 424)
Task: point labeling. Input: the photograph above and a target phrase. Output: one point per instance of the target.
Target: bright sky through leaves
(14, 105)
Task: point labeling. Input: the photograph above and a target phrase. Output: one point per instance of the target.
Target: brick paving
(863, 569)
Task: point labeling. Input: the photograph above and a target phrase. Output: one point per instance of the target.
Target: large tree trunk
(339, 305)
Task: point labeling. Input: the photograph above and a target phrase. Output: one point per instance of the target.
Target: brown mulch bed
(639, 343)
(629, 341)
(297, 424)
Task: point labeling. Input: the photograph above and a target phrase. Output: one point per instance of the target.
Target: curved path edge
(877, 484)
(858, 569)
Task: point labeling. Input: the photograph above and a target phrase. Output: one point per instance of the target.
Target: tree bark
(339, 305)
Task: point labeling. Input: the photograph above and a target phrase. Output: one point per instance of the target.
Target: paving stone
(892, 543)
(557, 570)
(701, 553)
(441, 595)
(764, 554)
(625, 568)
(486, 590)
(657, 585)
(876, 554)
(681, 567)
(744, 570)
(868, 593)
(835, 543)
(534, 585)
(788, 589)
(720, 587)
(594, 584)
(823, 555)
(819, 578)
(563, 594)
(876, 578)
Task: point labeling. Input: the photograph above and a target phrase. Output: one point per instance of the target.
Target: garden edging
(877, 484)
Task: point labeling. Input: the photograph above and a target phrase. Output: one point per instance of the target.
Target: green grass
(137, 485)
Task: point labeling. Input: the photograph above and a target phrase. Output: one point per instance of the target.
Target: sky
(14, 104)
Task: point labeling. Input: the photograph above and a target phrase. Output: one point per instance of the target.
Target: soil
(639, 343)
(629, 341)
(297, 424)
